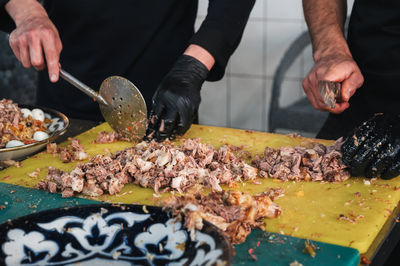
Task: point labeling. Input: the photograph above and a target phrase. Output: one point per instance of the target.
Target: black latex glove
(373, 150)
(177, 99)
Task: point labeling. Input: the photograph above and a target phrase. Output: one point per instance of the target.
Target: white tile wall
(214, 102)
(290, 92)
(246, 103)
(284, 9)
(241, 99)
(258, 10)
(248, 56)
(279, 36)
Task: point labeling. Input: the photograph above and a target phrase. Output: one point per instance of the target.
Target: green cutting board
(310, 209)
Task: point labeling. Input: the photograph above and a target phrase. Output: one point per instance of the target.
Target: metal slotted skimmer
(121, 103)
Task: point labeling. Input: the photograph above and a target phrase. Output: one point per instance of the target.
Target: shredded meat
(13, 125)
(73, 152)
(234, 212)
(8, 163)
(9, 112)
(109, 137)
(160, 166)
(315, 163)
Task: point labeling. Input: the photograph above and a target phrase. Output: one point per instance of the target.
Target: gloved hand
(374, 148)
(177, 99)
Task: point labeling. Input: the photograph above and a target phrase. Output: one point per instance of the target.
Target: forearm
(325, 20)
(201, 54)
(20, 10)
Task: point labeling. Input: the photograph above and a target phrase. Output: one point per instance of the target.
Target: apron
(374, 41)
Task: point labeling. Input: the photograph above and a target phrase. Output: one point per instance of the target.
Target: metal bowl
(20, 152)
(105, 234)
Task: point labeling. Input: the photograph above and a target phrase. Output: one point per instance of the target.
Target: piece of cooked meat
(314, 163)
(52, 148)
(234, 212)
(163, 166)
(73, 152)
(109, 137)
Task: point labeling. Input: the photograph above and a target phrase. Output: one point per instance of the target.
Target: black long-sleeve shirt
(136, 39)
(374, 42)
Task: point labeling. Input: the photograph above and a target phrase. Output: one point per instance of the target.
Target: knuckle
(22, 39)
(31, 34)
(304, 83)
(37, 62)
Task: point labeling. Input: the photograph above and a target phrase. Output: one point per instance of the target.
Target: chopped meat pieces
(316, 163)
(234, 212)
(109, 137)
(14, 126)
(73, 152)
(159, 166)
(52, 148)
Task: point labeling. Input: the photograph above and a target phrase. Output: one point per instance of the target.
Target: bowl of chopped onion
(25, 130)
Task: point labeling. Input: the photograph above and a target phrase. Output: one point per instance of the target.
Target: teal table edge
(265, 248)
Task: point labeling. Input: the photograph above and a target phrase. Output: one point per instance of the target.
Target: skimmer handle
(82, 87)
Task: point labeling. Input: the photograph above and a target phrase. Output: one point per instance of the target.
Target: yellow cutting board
(310, 209)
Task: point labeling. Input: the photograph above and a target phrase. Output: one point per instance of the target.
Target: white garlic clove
(47, 115)
(14, 143)
(40, 135)
(38, 114)
(26, 112)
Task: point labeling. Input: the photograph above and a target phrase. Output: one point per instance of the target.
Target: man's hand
(332, 57)
(373, 150)
(177, 99)
(335, 67)
(35, 41)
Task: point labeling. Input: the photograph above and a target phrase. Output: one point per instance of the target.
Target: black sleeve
(6, 22)
(221, 31)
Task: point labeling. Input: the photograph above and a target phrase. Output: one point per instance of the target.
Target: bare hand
(35, 41)
(336, 67)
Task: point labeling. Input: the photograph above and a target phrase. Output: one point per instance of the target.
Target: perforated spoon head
(126, 110)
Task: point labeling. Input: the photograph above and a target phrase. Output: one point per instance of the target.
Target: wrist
(21, 10)
(201, 55)
(330, 50)
(329, 41)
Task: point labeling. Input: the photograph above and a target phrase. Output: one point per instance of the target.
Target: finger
(314, 90)
(374, 143)
(14, 46)
(383, 161)
(339, 108)
(364, 156)
(351, 84)
(357, 138)
(35, 52)
(167, 126)
(307, 91)
(185, 120)
(393, 171)
(154, 120)
(156, 115)
(170, 123)
(58, 41)
(52, 55)
(24, 51)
